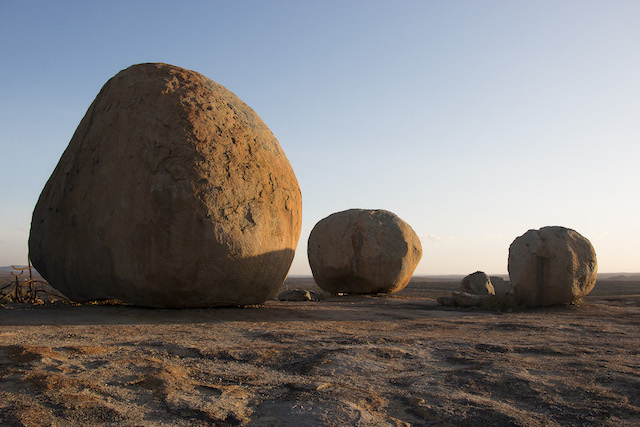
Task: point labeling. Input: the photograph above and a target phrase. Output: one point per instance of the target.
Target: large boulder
(553, 265)
(171, 193)
(478, 283)
(363, 251)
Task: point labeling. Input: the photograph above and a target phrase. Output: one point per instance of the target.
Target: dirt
(351, 360)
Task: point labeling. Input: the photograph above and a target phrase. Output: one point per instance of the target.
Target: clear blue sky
(474, 121)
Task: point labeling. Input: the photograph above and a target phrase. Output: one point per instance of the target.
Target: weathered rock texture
(477, 283)
(363, 251)
(500, 286)
(171, 193)
(553, 265)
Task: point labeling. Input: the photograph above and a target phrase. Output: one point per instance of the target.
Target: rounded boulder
(363, 251)
(171, 193)
(550, 266)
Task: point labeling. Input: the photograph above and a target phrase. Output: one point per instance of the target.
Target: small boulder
(171, 193)
(550, 266)
(363, 251)
(299, 295)
(477, 283)
(500, 286)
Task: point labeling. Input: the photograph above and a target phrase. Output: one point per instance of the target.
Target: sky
(473, 121)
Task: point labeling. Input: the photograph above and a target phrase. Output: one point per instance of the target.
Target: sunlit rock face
(363, 251)
(171, 193)
(553, 265)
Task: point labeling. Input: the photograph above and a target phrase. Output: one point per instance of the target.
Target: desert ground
(349, 360)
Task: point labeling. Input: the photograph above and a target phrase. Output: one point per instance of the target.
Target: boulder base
(363, 251)
(171, 193)
(553, 265)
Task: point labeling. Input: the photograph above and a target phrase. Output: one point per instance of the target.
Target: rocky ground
(353, 360)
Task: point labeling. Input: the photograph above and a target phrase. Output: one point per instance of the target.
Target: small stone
(500, 286)
(477, 283)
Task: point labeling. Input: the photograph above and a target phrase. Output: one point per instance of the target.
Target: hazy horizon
(290, 274)
(472, 121)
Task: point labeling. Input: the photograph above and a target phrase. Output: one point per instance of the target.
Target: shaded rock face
(363, 251)
(553, 265)
(500, 286)
(171, 193)
(478, 283)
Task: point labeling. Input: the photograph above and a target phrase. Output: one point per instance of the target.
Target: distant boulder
(553, 265)
(171, 193)
(363, 251)
(477, 283)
